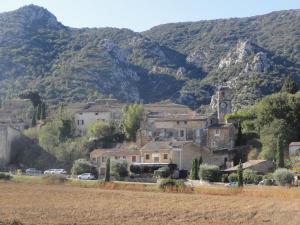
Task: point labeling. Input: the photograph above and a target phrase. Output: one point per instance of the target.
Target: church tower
(224, 97)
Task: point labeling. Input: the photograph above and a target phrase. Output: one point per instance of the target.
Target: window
(103, 159)
(116, 157)
(124, 157)
(177, 122)
(181, 133)
(165, 156)
(147, 156)
(133, 158)
(185, 122)
(217, 132)
(96, 114)
(82, 122)
(78, 122)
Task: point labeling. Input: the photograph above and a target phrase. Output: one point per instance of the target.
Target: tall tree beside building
(38, 111)
(107, 171)
(33, 121)
(279, 153)
(289, 86)
(43, 111)
(131, 120)
(240, 175)
(200, 161)
(195, 170)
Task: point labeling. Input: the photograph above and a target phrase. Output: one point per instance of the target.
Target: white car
(231, 184)
(86, 176)
(55, 171)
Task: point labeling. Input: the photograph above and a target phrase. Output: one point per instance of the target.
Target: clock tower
(224, 97)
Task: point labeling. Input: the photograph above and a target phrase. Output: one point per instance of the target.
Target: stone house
(100, 156)
(109, 110)
(294, 149)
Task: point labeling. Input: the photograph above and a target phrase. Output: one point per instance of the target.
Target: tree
(33, 121)
(289, 85)
(195, 170)
(33, 96)
(107, 171)
(239, 140)
(240, 175)
(119, 169)
(200, 161)
(279, 153)
(103, 131)
(131, 120)
(81, 166)
(43, 111)
(38, 112)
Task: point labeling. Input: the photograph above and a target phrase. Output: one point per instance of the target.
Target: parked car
(55, 171)
(33, 172)
(86, 176)
(268, 182)
(231, 184)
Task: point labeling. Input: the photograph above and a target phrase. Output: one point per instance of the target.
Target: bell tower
(224, 97)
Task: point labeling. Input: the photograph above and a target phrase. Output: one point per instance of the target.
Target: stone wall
(7, 136)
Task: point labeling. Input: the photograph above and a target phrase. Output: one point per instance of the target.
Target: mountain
(181, 62)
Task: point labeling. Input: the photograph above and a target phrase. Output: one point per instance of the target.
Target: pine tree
(289, 86)
(239, 140)
(107, 171)
(33, 121)
(195, 170)
(279, 153)
(240, 175)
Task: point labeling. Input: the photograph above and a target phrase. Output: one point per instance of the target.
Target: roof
(99, 108)
(294, 144)
(187, 117)
(246, 165)
(114, 152)
(220, 125)
(162, 145)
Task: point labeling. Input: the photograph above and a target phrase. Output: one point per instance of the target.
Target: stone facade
(294, 149)
(102, 110)
(100, 156)
(7, 136)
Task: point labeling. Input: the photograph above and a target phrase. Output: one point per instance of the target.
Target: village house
(294, 149)
(109, 110)
(122, 153)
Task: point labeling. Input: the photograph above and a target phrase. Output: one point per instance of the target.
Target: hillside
(181, 62)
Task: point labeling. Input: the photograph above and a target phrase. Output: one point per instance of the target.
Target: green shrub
(119, 169)
(209, 173)
(224, 178)
(250, 177)
(162, 172)
(233, 177)
(164, 183)
(54, 179)
(4, 176)
(83, 166)
(283, 176)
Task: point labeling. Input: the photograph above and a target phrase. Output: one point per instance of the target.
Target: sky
(140, 15)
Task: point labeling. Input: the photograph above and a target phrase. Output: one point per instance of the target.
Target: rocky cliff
(181, 62)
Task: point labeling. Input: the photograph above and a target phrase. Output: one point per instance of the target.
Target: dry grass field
(68, 204)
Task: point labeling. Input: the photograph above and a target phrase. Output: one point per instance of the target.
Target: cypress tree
(200, 161)
(107, 171)
(38, 112)
(279, 154)
(43, 111)
(240, 175)
(33, 121)
(195, 168)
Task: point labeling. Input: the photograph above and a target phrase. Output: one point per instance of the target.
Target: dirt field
(62, 204)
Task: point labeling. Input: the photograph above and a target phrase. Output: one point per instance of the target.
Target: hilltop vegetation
(182, 62)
